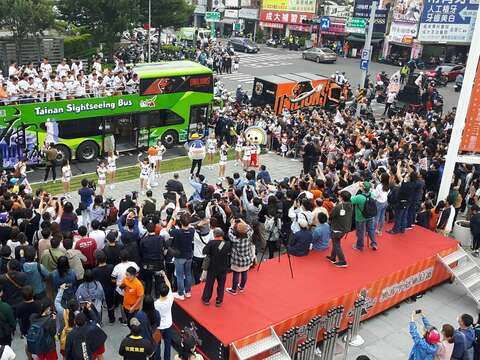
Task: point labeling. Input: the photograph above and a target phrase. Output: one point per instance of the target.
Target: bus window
(159, 118)
(198, 120)
(69, 129)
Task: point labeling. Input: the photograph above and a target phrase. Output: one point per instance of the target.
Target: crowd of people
(67, 269)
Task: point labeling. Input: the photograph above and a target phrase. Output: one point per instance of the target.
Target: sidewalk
(288, 168)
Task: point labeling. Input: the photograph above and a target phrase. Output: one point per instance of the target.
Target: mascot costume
(196, 153)
(255, 136)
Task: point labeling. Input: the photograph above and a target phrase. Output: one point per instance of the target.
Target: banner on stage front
(471, 131)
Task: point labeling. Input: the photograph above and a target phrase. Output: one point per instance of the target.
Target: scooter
(458, 84)
(272, 43)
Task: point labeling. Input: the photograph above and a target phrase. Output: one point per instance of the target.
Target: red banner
(284, 17)
(471, 132)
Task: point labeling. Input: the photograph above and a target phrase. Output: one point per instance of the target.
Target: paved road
(384, 334)
(267, 62)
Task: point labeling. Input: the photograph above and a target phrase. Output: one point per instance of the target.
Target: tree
(104, 19)
(167, 13)
(26, 18)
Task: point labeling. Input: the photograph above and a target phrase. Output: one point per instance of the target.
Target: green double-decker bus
(172, 102)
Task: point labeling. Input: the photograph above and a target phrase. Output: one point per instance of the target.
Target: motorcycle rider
(439, 75)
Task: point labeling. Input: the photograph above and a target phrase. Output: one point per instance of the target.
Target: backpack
(67, 296)
(369, 208)
(38, 341)
(205, 192)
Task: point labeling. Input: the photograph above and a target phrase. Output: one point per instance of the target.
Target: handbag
(173, 252)
(206, 262)
(157, 336)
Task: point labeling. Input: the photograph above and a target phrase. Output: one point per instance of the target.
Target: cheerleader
(254, 154)
(152, 160)
(66, 178)
(102, 177)
(223, 160)
(112, 167)
(211, 148)
(247, 155)
(284, 146)
(161, 149)
(145, 171)
(238, 150)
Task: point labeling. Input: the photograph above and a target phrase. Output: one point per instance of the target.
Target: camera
(91, 185)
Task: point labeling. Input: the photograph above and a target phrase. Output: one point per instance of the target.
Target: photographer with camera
(152, 253)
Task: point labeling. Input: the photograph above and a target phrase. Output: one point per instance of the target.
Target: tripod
(279, 246)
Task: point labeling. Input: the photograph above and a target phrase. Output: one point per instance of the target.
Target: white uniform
(112, 163)
(223, 155)
(211, 146)
(247, 152)
(239, 145)
(160, 151)
(102, 175)
(145, 170)
(66, 173)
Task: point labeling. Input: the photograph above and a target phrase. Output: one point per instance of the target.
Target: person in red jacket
(87, 246)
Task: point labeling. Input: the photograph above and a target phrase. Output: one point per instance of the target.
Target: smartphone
(419, 311)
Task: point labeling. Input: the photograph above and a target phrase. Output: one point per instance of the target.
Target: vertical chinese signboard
(448, 21)
(471, 131)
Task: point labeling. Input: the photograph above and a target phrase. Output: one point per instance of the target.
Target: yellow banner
(279, 5)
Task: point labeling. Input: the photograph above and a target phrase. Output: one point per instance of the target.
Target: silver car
(320, 55)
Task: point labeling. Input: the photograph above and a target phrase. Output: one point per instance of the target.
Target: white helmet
(239, 86)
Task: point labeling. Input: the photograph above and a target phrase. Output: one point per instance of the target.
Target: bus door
(125, 131)
(198, 121)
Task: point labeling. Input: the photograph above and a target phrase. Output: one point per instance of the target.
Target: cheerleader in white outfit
(161, 149)
(145, 171)
(211, 148)
(66, 178)
(284, 146)
(247, 155)
(112, 168)
(223, 160)
(102, 177)
(238, 150)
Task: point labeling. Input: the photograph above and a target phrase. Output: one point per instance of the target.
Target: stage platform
(403, 265)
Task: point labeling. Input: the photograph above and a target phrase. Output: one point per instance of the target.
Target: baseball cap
(134, 322)
(366, 185)
(433, 336)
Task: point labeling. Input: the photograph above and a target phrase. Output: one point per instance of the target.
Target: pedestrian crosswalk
(264, 60)
(237, 77)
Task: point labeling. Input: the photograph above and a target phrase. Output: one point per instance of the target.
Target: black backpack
(205, 192)
(369, 208)
(38, 340)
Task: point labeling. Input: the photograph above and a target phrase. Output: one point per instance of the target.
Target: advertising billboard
(308, 6)
(362, 9)
(407, 11)
(448, 22)
(471, 131)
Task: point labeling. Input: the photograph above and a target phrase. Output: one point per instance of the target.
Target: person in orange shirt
(132, 293)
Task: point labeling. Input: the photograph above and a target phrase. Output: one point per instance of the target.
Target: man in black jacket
(341, 224)
(400, 201)
(218, 250)
(152, 253)
(475, 229)
(308, 155)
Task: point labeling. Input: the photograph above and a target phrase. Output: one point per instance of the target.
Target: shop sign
(337, 26)
(284, 17)
(448, 21)
(231, 13)
(301, 28)
(212, 16)
(308, 6)
(245, 3)
(271, 25)
(245, 13)
(408, 11)
(231, 3)
(201, 7)
(362, 9)
(403, 33)
(356, 25)
(471, 131)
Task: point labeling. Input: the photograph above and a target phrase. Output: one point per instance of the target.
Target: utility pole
(149, 27)
(368, 48)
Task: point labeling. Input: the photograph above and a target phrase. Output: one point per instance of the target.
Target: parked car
(320, 55)
(449, 71)
(243, 44)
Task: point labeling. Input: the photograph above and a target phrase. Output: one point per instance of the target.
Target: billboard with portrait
(407, 11)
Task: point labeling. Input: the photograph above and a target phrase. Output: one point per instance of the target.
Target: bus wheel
(87, 151)
(64, 153)
(169, 139)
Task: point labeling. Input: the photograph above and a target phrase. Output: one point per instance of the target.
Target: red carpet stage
(404, 265)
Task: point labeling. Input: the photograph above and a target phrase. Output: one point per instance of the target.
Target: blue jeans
(400, 220)
(380, 218)
(369, 226)
(183, 273)
(243, 280)
(167, 345)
